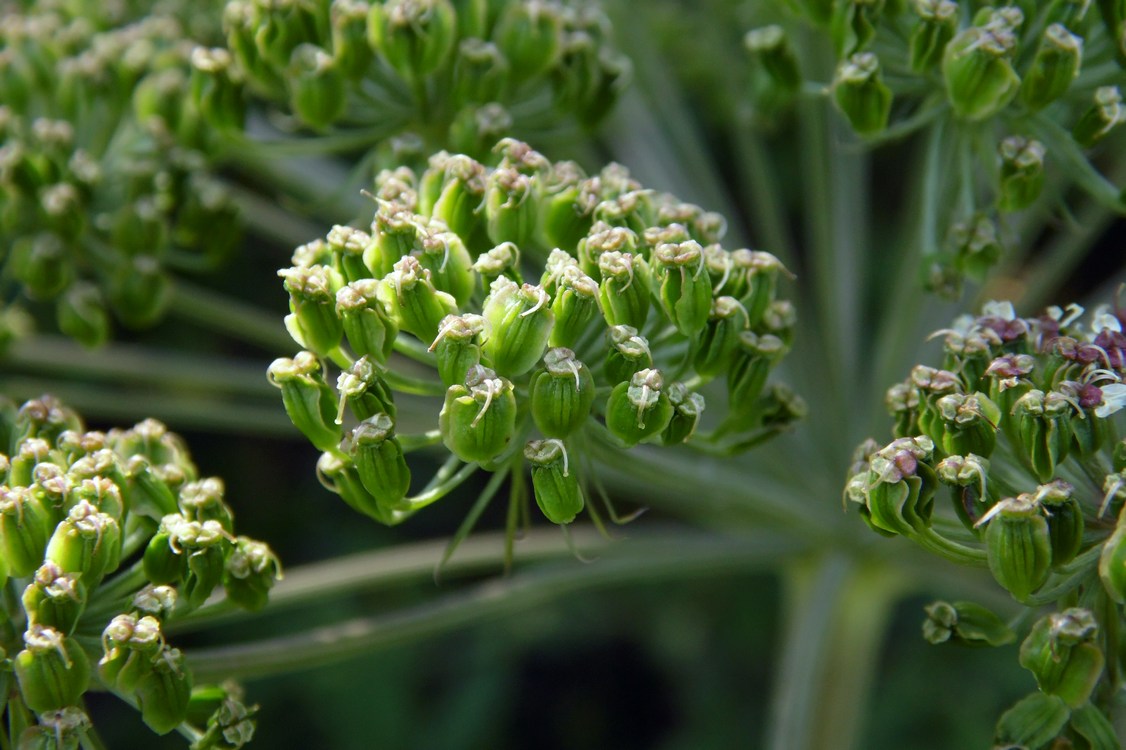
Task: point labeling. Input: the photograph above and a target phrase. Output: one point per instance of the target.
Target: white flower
(1104, 320)
(1114, 398)
(1003, 309)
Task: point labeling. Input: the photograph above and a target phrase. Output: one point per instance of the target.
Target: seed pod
(510, 207)
(369, 328)
(1043, 434)
(412, 300)
(148, 493)
(685, 290)
(638, 409)
(394, 236)
(444, 254)
(52, 670)
(351, 52)
(43, 263)
(502, 260)
(379, 460)
(475, 128)
(575, 306)
(313, 323)
(530, 35)
(853, 25)
(968, 424)
(754, 280)
(251, 571)
(687, 410)
(215, 91)
(899, 494)
(139, 291)
(414, 36)
(64, 729)
(1061, 653)
(478, 419)
(624, 289)
(861, 95)
(163, 562)
(754, 357)
(1018, 545)
(977, 67)
(565, 212)
(1033, 722)
(364, 390)
(775, 74)
(628, 353)
(965, 623)
(562, 394)
(25, 527)
(458, 346)
(86, 542)
(1065, 520)
(55, 598)
(164, 693)
(130, 644)
(308, 399)
(966, 476)
(1054, 67)
(338, 474)
(556, 489)
(1022, 172)
(726, 321)
(480, 72)
(317, 93)
(1105, 114)
(518, 322)
(348, 245)
(938, 20)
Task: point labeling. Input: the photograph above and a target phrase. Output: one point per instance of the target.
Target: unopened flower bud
(313, 323)
(518, 322)
(1103, 116)
(368, 327)
(965, 623)
(688, 407)
(1022, 172)
(901, 486)
(364, 391)
(684, 287)
(639, 408)
(555, 485)
(413, 301)
(861, 95)
(562, 394)
(1054, 67)
(55, 598)
(478, 419)
(309, 401)
(52, 670)
(938, 20)
(379, 460)
(251, 571)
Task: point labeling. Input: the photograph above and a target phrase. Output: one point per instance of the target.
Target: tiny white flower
(1114, 398)
(1104, 320)
(1003, 309)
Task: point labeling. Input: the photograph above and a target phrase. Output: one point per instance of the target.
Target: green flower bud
(458, 346)
(368, 327)
(639, 408)
(478, 419)
(348, 245)
(966, 476)
(308, 399)
(314, 323)
(130, 644)
(414, 36)
(510, 206)
(444, 255)
(1054, 67)
(1043, 434)
(754, 279)
(530, 34)
(215, 91)
(938, 20)
(1022, 172)
(350, 49)
(726, 321)
(624, 289)
(977, 67)
(518, 322)
(685, 289)
(475, 128)
(1104, 115)
(900, 487)
(30, 453)
(965, 623)
(100, 491)
(64, 729)
(556, 489)
(1065, 520)
(562, 394)
(453, 189)
(394, 236)
(861, 95)
(575, 306)
(158, 601)
(52, 670)
(379, 460)
(163, 562)
(1033, 722)
(1018, 545)
(589, 78)
(203, 501)
(148, 493)
(968, 424)
(164, 693)
(43, 264)
(628, 353)
(604, 238)
(687, 409)
(1112, 565)
(1092, 725)
(481, 72)
(775, 75)
(412, 300)
(338, 474)
(853, 25)
(86, 542)
(82, 315)
(230, 724)
(753, 360)
(251, 571)
(1061, 653)
(363, 389)
(25, 527)
(55, 598)
(976, 245)
(502, 260)
(565, 207)
(139, 291)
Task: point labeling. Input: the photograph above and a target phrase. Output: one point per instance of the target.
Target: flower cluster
(102, 179)
(586, 309)
(452, 74)
(1020, 428)
(105, 538)
(1006, 90)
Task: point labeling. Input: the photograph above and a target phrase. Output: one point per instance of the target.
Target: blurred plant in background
(874, 149)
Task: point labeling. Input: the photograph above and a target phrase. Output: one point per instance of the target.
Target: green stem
(415, 442)
(240, 321)
(633, 562)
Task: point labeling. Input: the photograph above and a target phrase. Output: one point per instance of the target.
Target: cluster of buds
(111, 534)
(585, 309)
(103, 186)
(1021, 429)
(1003, 79)
(456, 74)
